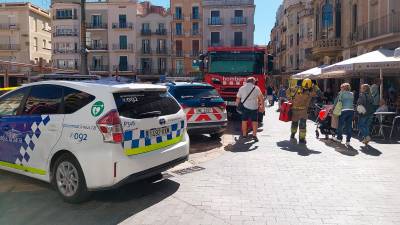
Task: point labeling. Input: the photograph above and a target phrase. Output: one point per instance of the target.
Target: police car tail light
(110, 127)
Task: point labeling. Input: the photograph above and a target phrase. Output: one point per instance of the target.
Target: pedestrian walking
(270, 95)
(252, 101)
(365, 110)
(301, 98)
(375, 92)
(344, 108)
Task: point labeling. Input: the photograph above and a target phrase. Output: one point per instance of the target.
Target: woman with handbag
(344, 109)
(250, 101)
(365, 109)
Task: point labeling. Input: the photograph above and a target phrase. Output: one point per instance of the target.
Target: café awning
(311, 73)
(375, 61)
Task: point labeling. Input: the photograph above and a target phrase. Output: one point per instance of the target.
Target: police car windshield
(186, 93)
(145, 104)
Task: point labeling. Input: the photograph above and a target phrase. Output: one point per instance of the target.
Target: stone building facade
(332, 30)
(25, 37)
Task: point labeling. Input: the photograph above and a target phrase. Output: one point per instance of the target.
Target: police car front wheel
(69, 180)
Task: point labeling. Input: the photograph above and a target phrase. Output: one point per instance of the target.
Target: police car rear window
(140, 105)
(195, 93)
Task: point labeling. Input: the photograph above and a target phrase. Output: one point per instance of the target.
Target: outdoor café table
(381, 116)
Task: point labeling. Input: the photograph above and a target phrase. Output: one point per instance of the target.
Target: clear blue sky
(264, 18)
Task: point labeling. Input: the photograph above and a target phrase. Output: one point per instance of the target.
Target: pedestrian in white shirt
(253, 101)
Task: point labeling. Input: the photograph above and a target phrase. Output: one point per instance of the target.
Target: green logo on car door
(97, 108)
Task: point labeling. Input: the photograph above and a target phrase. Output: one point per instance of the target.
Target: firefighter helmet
(306, 84)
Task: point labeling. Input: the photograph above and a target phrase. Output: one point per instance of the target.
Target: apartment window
(146, 48)
(195, 12)
(238, 36)
(354, 27)
(35, 23)
(291, 40)
(297, 39)
(44, 43)
(179, 67)
(338, 19)
(64, 14)
(123, 42)
(44, 25)
(161, 28)
(35, 43)
(178, 13)
(146, 28)
(97, 62)
(123, 63)
(238, 13)
(162, 65)
(161, 45)
(195, 28)
(215, 38)
(179, 48)
(178, 27)
(96, 21)
(215, 17)
(195, 47)
(122, 21)
(327, 15)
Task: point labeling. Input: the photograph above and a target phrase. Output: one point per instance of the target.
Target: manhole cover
(188, 170)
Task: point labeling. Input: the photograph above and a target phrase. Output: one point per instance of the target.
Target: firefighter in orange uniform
(301, 97)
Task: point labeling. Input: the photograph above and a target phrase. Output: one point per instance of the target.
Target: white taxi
(86, 136)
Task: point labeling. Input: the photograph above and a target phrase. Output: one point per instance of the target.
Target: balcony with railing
(326, 46)
(145, 71)
(123, 68)
(239, 43)
(195, 16)
(385, 25)
(8, 26)
(215, 21)
(65, 17)
(178, 53)
(122, 47)
(219, 43)
(65, 33)
(65, 51)
(99, 68)
(162, 51)
(124, 26)
(145, 32)
(239, 21)
(97, 47)
(178, 32)
(178, 16)
(10, 47)
(195, 32)
(195, 53)
(96, 26)
(146, 51)
(161, 32)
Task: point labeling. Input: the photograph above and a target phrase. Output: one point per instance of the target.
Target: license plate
(204, 110)
(156, 132)
(230, 103)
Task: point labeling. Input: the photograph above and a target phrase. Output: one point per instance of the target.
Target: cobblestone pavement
(277, 182)
(273, 181)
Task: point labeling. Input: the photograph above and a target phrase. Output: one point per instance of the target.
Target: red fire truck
(227, 68)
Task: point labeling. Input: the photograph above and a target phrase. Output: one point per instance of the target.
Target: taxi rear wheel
(69, 180)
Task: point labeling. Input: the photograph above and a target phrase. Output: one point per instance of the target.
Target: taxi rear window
(147, 104)
(195, 93)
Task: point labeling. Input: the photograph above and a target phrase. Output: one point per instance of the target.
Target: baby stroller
(323, 121)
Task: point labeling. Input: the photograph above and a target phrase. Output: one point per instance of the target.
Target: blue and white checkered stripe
(31, 138)
(137, 138)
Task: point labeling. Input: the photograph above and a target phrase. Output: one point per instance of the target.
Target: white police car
(85, 136)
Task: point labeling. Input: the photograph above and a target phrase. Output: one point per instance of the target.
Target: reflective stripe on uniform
(23, 168)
